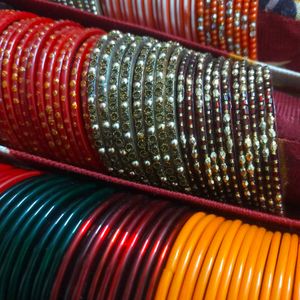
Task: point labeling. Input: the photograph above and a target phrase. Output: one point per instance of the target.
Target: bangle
(272, 134)
(238, 138)
(228, 121)
(229, 25)
(254, 253)
(221, 15)
(214, 23)
(246, 134)
(185, 175)
(186, 256)
(210, 257)
(283, 260)
(255, 137)
(221, 259)
(245, 28)
(252, 29)
(237, 26)
(207, 23)
(240, 261)
(199, 254)
(269, 271)
(258, 270)
(200, 21)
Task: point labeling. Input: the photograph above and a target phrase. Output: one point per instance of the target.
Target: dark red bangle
(128, 222)
(105, 226)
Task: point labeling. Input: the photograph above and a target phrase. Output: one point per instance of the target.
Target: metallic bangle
(271, 125)
(125, 108)
(213, 170)
(246, 134)
(199, 123)
(252, 96)
(153, 165)
(264, 138)
(138, 98)
(110, 106)
(185, 167)
(240, 154)
(161, 110)
(218, 127)
(226, 106)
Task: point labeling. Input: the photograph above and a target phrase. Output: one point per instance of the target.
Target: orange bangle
(252, 29)
(213, 15)
(200, 21)
(194, 268)
(270, 267)
(209, 260)
(230, 261)
(250, 264)
(221, 24)
(277, 284)
(237, 26)
(215, 278)
(296, 289)
(260, 266)
(186, 256)
(165, 280)
(240, 263)
(288, 280)
(245, 27)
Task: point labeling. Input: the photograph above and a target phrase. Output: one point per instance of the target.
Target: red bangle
(206, 23)
(65, 78)
(34, 83)
(193, 21)
(23, 57)
(187, 15)
(172, 6)
(245, 27)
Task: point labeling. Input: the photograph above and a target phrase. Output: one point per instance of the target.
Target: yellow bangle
(214, 281)
(281, 267)
(186, 256)
(194, 268)
(296, 290)
(230, 261)
(209, 260)
(288, 280)
(270, 267)
(171, 265)
(250, 264)
(240, 263)
(260, 267)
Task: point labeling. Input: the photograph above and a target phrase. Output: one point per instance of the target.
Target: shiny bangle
(220, 261)
(210, 257)
(269, 272)
(252, 96)
(229, 25)
(264, 139)
(200, 21)
(272, 134)
(221, 24)
(258, 270)
(246, 134)
(241, 261)
(254, 253)
(237, 26)
(207, 23)
(296, 286)
(281, 265)
(211, 164)
(253, 10)
(238, 138)
(245, 28)
(227, 120)
(288, 280)
(167, 275)
(218, 127)
(198, 257)
(200, 124)
(186, 255)
(214, 23)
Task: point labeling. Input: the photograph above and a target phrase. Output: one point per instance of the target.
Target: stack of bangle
(140, 109)
(225, 24)
(64, 238)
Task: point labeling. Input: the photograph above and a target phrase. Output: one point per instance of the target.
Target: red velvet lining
(288, 113)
